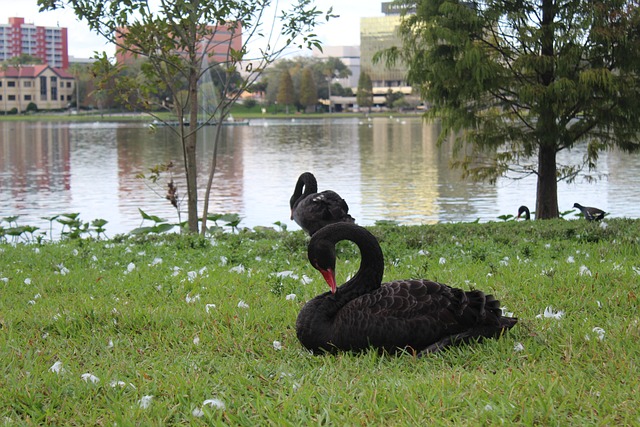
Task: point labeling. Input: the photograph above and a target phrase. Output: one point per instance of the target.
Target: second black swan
(312, 210)
(524, 210)
(415, 315)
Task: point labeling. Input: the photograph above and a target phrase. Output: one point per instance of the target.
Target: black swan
(524, 210)
(590, 214)
(312, 210)
(414, 315)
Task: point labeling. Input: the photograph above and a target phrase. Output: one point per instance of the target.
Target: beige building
(376, 34)
(48, 88)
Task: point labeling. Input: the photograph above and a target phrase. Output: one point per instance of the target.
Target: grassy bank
(181, 331)
(238, 112)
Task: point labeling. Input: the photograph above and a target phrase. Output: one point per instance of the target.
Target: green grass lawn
(177, 330)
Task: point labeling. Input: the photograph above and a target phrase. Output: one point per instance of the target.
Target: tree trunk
(189, 144)
(547, 132)
(547, 192)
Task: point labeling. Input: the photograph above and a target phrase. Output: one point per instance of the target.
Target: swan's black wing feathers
(417, 314)
(320, 209)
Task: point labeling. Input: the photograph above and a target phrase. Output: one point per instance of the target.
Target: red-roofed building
(50, 44)
(48, 88)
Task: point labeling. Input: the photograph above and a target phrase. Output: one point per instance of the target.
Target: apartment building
(50, 44)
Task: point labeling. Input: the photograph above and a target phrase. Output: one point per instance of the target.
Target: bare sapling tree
(182, 41)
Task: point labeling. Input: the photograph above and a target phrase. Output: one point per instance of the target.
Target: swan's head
(322, 256)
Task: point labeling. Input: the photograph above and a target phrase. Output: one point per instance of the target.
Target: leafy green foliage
(522, 81)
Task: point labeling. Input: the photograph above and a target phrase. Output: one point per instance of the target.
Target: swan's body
(312, 210)
(417, 315)
(590, 214)
(524, 210)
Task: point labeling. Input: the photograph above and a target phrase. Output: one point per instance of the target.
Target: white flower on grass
(442, 260)
(31, 302)
(214, 403)
(155, 261)
(287, 273)
(547, 245)
(4, 279)
(197, 412)
(176, 271)
(242, 304)
(636, 269)
(191, 299)
(117, 383)
(423, 252)
(145, 402)
(62, 270)
(237, 269)
(604, 225)
(130, 268)
(518, 347)
(599, 304)
(36, 250)
(90, 377)
(57, 368)
(295, 386)
(306, 279)
(110, 344)
(277, 345)
(506, 313)
(191, 275)
(290, 297)
(571, 260)
(209, 307)
(584, 271)
(600, 332)
(196, 340)
(223, 260)
(550, 313)
(504, 261)
(488, 407)
(27, 281)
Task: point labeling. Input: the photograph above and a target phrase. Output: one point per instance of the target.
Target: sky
(344, 30)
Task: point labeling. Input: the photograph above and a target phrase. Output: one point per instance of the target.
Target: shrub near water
(176, 330)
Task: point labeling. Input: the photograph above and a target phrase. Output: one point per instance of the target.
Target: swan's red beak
(330, 277)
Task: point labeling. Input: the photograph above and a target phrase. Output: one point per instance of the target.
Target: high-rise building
(46, 43)
(376, 34)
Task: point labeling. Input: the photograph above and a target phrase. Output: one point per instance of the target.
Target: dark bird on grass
(415, 315)
(590, 214)
(312, 210)
(524, 210)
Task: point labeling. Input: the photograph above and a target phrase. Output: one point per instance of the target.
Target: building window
(54, 88)
(27, 84)
(11, 84)
(43, 88)
(27, 97)
(11, 97)
(68, 84)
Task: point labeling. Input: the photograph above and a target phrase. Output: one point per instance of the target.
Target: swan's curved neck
(369, 275)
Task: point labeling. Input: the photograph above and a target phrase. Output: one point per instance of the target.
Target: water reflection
(386, 168)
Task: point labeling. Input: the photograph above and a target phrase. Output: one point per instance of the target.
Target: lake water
(386, 169)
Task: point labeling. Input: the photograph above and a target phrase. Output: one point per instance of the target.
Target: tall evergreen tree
(286, 95)
(308, 89)
(364, 96)
(522, 81)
